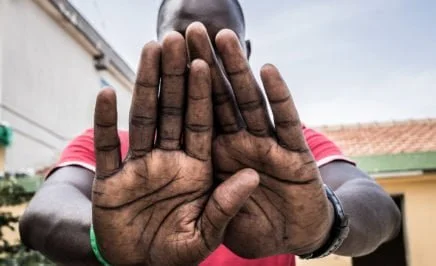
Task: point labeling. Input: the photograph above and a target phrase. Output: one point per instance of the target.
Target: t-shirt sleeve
(323, 149)
(79, 152)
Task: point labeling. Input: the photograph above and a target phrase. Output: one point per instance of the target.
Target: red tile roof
(384, 138)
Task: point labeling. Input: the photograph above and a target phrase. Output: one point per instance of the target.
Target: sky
(345, 61)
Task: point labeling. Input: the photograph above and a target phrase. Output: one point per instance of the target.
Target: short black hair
(164, 2)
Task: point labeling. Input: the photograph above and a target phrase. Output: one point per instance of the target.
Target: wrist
(338, 229)
(328, 227)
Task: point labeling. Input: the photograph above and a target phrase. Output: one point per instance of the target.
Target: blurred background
(362, 71)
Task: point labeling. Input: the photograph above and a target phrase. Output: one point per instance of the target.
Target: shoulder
(322, 147)
(80, 150)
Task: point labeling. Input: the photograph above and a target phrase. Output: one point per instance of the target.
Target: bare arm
(58, 218)
(374, 217)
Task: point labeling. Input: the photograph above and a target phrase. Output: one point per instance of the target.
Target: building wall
(419, 220)
(3, 6)
(420, 216)
(2, 159)
(48, 85)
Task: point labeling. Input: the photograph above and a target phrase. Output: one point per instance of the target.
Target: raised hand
(289, 212)
(159, 206)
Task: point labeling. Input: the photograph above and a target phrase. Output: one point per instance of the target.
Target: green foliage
(24, 257)
(12, 254)
(12, 193)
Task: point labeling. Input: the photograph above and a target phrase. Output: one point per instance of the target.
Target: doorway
(392, 253)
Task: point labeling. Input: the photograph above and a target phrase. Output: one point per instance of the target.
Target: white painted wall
(3, 10)
(48, 85)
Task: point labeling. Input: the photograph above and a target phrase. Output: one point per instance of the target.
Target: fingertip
(225, 34)
(105, 111)
(174, 54)
(200, 66)
(149, 64)
(195, 28)
(172, 38)
(200, 75)
(249, 177)
(150, 54)
(107, 90)
(226, 38)
(172, 35)
(196, 33)
(198, 42)
(271, 77)
(200, 84)
(268, 69)
(107, 96)
(151, 45)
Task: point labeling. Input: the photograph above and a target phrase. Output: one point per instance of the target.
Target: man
(160, 206)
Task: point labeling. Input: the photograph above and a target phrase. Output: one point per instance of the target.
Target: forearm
(57, 223)
(373, 216)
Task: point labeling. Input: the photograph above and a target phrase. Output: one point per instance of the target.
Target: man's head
(176, 15)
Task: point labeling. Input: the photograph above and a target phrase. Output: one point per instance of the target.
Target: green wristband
(95, 248)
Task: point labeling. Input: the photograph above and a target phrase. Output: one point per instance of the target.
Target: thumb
(224, 204)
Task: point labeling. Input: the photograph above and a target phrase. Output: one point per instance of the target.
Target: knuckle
(171, 110)
(142, 121)
(198, 128)
(251, 105)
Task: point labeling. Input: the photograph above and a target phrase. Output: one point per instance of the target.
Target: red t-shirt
(80, 151)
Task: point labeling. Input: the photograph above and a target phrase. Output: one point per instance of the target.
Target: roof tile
(396, 137)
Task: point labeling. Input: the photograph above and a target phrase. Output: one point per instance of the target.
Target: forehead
(214, 14)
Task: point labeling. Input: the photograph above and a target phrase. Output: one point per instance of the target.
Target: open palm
(289, 211)
(159, 206)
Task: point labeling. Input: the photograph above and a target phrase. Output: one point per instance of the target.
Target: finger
(199, 114)
(225, 203)
(172, 92)
(106, 140)
(286, 119)
(143, 111)
(248, 94)
(225, 109)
